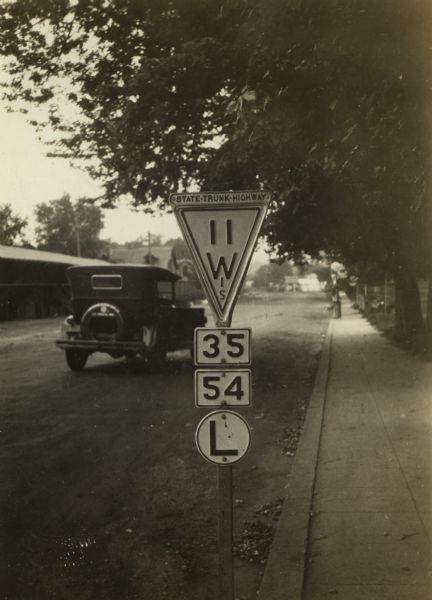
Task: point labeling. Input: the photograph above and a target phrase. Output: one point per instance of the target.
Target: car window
(165, 290)
(106, 282)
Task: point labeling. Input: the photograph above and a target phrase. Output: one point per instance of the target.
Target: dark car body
(126, 310)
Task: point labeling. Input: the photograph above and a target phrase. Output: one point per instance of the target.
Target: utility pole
(149, 243)
(77, 233)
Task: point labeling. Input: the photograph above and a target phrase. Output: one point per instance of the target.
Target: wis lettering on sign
(221, 229)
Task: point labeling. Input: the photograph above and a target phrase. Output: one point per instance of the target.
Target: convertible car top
(126, 310)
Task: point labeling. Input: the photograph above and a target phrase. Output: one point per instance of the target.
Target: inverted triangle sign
(221, 230)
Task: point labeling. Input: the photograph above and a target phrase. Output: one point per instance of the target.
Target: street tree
(12, 227)
(179, 246)
(324, 103)
(69, 228)
(185, 265)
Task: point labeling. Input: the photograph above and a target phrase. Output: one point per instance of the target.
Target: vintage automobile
(126, 310)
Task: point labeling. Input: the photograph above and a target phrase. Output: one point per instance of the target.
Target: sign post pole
(226, 560)
(221, 230)
(226, 523)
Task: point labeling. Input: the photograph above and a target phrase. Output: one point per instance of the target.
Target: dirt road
(103, 495)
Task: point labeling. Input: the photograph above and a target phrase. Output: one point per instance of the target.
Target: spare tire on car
(102, 321)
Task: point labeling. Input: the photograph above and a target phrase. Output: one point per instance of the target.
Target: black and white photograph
(215, 300)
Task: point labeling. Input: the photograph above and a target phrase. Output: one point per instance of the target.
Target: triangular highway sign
(221, 230)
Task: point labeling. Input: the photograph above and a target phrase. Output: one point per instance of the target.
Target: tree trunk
(409, 321)
(429, 317)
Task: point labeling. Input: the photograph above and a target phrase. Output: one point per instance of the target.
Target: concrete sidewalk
(370, 507)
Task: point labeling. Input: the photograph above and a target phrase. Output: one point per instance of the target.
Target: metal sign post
(226, 533)
(221, 230)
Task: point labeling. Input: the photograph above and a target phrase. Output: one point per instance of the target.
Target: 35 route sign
(223, 437)
(221, 230)
(222, 346)
(230, 387)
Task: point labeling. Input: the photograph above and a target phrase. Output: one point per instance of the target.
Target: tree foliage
(323, 103)
(12, 226)
(69, 228)
(271, 273)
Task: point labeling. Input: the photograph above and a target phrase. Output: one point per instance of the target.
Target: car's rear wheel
(76, 359)
(157, 358)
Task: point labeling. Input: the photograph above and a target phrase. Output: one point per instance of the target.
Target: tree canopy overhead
(323, 103)
(149, 78)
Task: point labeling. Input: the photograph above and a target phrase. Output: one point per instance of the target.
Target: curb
(285, 569)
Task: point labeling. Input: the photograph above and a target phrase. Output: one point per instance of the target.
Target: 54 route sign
(222, 346)
(216, 388)
(221, 230)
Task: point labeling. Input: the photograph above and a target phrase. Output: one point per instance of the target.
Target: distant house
(310, 283)
(159, 256)
(292, 283)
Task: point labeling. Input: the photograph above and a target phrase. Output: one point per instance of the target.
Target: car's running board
(102, 345)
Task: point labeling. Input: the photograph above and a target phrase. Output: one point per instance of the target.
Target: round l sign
(223, 437)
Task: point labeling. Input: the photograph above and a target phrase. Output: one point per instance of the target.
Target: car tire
(157, 358)
(114, 312)
(76, 359)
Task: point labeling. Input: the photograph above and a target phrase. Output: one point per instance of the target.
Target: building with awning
(33, 282)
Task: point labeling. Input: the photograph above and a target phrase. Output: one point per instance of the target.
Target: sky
(28, 177)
